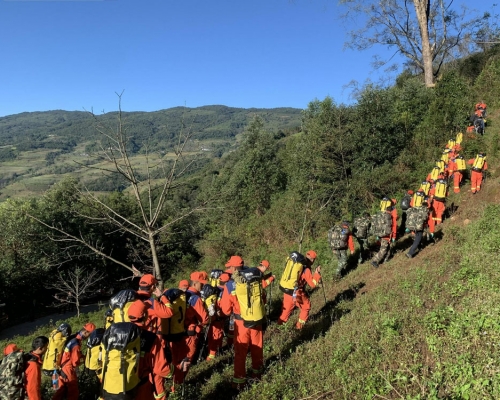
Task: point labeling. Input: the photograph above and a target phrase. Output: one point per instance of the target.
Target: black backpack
(405, 202)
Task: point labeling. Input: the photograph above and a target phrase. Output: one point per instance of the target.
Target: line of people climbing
(422, 210)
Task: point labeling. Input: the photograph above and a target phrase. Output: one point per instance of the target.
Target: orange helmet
(311, 254)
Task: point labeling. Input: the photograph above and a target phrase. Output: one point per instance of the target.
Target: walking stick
(270, 299)
(204, 343)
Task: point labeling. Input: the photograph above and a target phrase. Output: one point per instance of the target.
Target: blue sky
(75, 55)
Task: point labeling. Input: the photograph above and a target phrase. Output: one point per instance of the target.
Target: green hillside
(38, 149)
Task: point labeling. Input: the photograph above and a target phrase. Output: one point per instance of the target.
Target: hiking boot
(409, 255)
(374, 264)
(299, 325)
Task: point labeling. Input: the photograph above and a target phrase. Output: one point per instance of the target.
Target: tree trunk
(156, 263)
(422, 10)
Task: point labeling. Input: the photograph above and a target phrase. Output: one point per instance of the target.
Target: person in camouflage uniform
(340, 237)
(361, 228)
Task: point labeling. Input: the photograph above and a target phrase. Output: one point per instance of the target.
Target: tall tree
(150, 187)
(427, 33)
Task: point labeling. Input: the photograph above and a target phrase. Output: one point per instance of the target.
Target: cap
(184, 284)
(311, 254)
(265, 263)
(410, 192)
(148, 280)
(235, 261)
(199, 277)
(137, 311)
(10, 348)
(89, 327)
(224, 277)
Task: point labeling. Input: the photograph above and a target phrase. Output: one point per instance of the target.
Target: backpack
(479, 125)
(93, 359)
(123, 344)
(55, 349)
(418, 199)
(425, 187)
(361, 227)
(460, 161)
(12, 370)
(451, 143)
(210, 294)
(250, 297)
(215, 277)
(478, 163)
(384, 203)
(405, 202)
(120, 304)
(416, 218)
(293, 269)
(445, 157)
(440, 164)
(173, 328)
(435, 172)
(460, 137)
(338, 237)
(382, 224)
(441, 188)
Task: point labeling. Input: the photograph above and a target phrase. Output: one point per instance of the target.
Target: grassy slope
(424, 328)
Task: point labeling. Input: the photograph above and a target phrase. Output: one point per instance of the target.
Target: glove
(393, 240)
(407, 230)
(378, 238)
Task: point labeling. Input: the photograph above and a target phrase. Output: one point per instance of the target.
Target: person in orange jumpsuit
(245, 338)
(33, 371)
(438, 206)
(385, 242)
(196, 318)
(456, 173)
(300, 298)
(157, 308)
(476, 177)
(234, 263)
(153, 366)
(71, 359)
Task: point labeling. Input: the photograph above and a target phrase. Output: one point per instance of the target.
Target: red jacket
(33, 378)
(157, 309)
(72, 358)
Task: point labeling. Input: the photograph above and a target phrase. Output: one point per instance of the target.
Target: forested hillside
(38, 149)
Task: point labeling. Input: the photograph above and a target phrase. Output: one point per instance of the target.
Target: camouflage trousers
(384, 252)
(341, 260)
(363, 247)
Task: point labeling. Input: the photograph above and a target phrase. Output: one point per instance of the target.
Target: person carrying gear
(457, 167)
(247, 302)
(340, 238)
(298, 273)
(196, 319)
(417, 221)
(405, 205)
(384, 226)
(479, 165)
(153, 365)
(71, 360)
(57, 339)
(234, 263)
(157, 308)
(434, 174)
(33, 371)
(438, 194)
(361, 228)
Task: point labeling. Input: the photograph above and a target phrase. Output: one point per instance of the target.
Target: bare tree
(72, 286)
(427, 33)
(150, 190)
